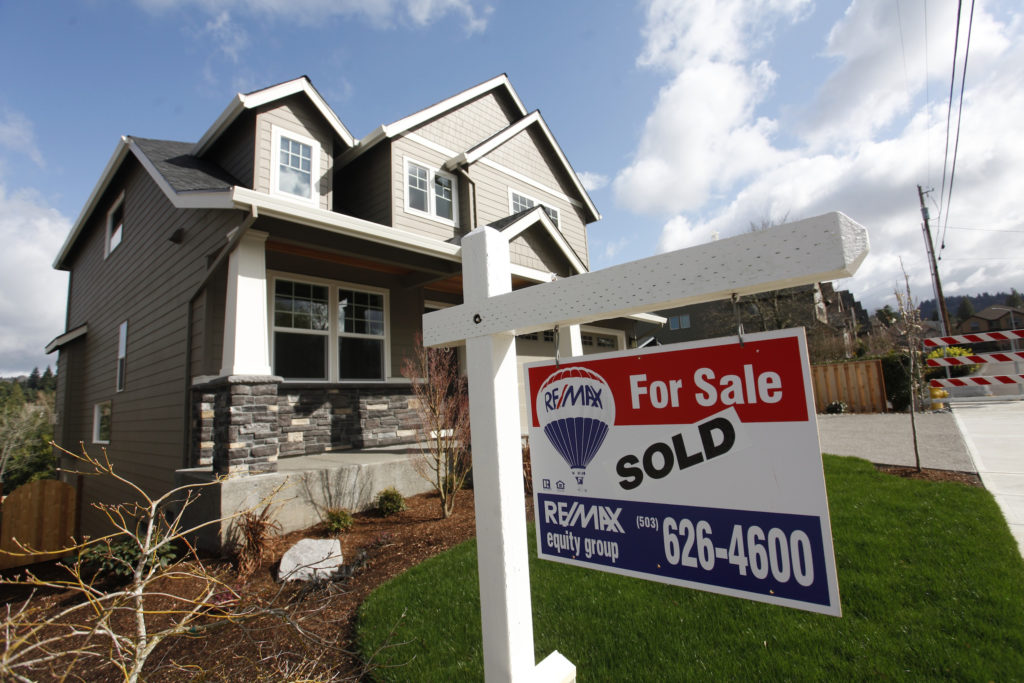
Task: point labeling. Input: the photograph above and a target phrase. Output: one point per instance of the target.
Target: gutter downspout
(234, 237)
(472, 196)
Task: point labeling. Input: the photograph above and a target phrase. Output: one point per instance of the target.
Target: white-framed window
(295, 165)
(328, 331)
(115, 226)
(431, 193)
(122, 354)
(517, 201)
(101, 415)
(679, 322)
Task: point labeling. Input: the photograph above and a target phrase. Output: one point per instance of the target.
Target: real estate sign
(692, 464)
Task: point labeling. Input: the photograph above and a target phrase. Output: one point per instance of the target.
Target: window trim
(277, 133)
(431, 212)
(548, 209)
(108, 244)
(96, 417)
(122, 356)
(333, 333)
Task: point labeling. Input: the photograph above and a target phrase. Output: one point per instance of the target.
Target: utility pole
(937, 284)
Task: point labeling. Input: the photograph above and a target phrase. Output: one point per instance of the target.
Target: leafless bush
(255, 531)
(443, 407)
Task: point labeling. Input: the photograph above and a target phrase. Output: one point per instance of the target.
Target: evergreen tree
(965, 310)
(48, 382)
(886, 315)
(33, 379)
(1015, 300)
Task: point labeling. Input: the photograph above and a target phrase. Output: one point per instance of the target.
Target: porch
(301, 488)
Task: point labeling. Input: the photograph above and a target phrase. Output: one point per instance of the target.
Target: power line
(949, 107)
(959, 119)
(956, 227)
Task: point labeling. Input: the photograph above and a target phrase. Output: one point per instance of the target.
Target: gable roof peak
(257, 98)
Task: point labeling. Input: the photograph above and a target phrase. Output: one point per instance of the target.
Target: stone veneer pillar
(235, 425)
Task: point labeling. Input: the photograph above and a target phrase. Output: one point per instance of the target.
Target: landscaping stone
(311, 559)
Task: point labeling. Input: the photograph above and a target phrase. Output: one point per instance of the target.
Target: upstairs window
(122, 354)
(115, 226)
(431, 193)
(520, 202)
(296, 165)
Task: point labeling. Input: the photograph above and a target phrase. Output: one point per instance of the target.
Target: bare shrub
(442, 403)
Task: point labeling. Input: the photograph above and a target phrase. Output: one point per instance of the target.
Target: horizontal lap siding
(235, 150)
(147, 281)
(297, 115)
(363, 188)
(526, 153)
(469, 125)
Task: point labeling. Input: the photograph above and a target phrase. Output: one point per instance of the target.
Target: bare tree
(443, 407)
(908, 323)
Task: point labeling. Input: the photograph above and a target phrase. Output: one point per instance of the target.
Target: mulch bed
(967, 478)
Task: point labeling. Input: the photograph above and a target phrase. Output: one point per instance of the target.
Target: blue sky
(687, 118)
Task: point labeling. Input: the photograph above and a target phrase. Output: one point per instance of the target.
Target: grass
(929, 576)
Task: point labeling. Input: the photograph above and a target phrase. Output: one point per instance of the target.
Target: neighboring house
(992, 319)
(829, 316)
(253, 294)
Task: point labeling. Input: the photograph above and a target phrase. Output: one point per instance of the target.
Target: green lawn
(930, 579)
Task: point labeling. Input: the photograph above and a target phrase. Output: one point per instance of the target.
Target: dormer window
(431, 193)
(295, 166)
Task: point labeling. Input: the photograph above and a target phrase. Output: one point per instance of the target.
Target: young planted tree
(909, 326)
(442, 403)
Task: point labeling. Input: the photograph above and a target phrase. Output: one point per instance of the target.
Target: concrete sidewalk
(994, 434)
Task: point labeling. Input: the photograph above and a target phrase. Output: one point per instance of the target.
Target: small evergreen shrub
(390, 502)
(338, 520)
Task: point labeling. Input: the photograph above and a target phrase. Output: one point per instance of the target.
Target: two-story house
(251, 295)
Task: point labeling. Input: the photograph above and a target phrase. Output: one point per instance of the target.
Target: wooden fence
(41, 515)
(858, 384)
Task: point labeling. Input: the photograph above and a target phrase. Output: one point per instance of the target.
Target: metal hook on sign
(556, 347)
(739, 319)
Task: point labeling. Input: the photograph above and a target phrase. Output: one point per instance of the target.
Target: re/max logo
(569, 395)
(597, 517)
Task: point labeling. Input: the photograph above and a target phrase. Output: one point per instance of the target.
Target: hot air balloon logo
(575, 407)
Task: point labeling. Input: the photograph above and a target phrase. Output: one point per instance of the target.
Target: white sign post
(813, 250)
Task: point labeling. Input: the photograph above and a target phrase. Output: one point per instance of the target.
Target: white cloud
(381, 13)
(863, 140)
(32, 294)
(17, 134)
(231, 38)
(592, 181)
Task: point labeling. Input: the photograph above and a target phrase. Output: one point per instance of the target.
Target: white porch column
(570, 341)
(246, 337)
(505, 607)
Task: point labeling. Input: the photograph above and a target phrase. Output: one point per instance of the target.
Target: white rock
(311, 559)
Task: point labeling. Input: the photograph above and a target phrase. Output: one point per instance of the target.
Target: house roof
(535, 119)
(512, 226)
(241, 102)
(498, 83)
(390, 130)
(183, 171)
(997, 312)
